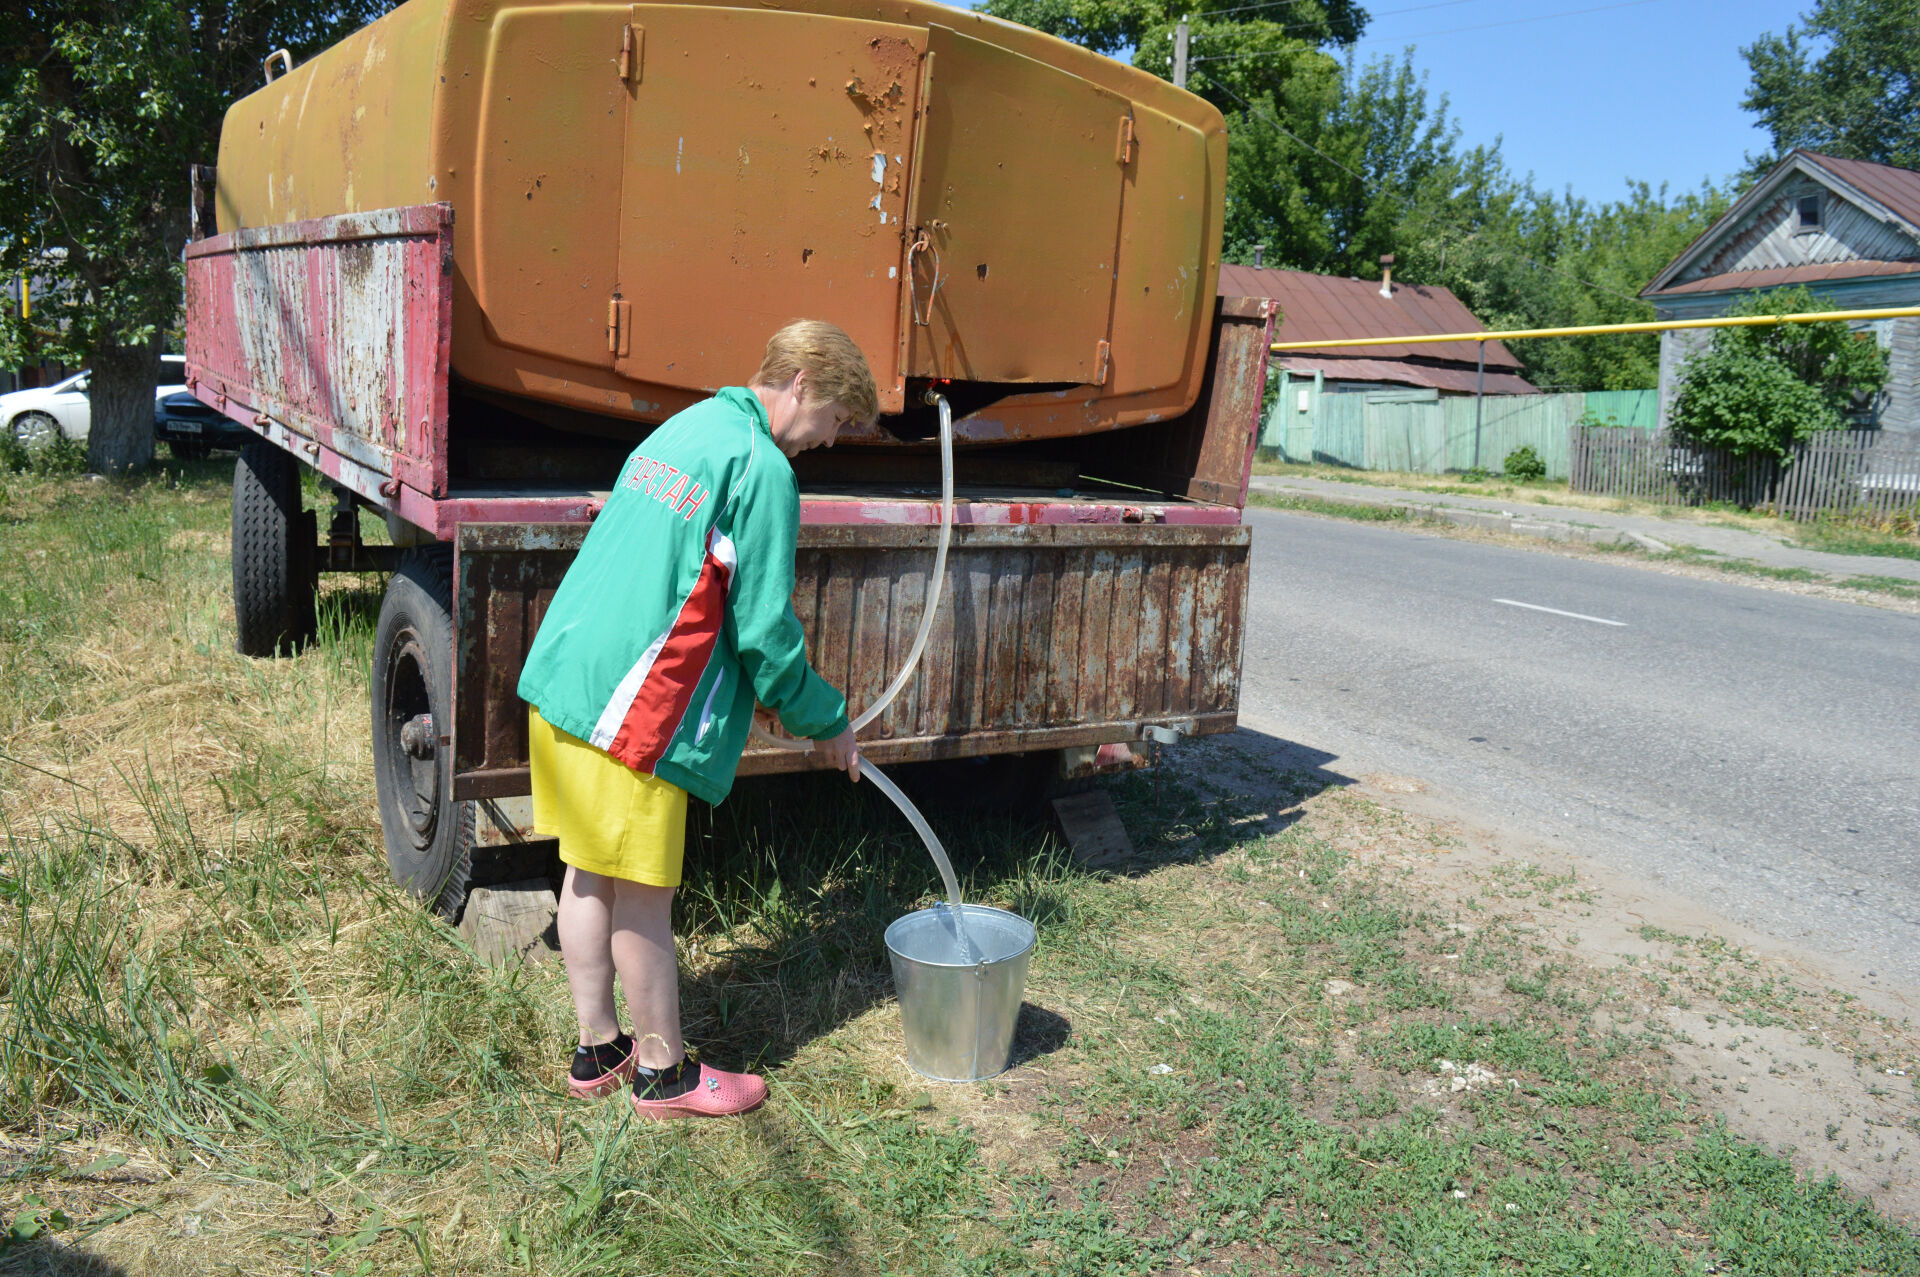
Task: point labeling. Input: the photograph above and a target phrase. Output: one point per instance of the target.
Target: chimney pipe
(1259, 250)
(1386, 276)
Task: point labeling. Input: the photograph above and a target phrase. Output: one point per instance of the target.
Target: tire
(429, 837)
(274, 542)
(35, 429)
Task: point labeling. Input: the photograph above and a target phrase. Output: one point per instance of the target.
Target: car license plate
(187, 427)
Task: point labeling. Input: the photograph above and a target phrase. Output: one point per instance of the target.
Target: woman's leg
(585, 923)
(642, 943)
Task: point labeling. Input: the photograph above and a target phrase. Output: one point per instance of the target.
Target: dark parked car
(193, 429)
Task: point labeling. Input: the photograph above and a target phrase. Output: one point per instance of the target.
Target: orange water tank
(643, 192)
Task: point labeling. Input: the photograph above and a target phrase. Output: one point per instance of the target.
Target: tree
(103, 105)
(1331, 176)
(1546, 261)
(1332, 164)
(1758, 391)
(1239, 51)
(1847, 83)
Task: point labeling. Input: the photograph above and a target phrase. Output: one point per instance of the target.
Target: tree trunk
(121, 389)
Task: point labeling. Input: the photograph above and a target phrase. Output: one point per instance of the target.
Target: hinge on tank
(632, 42)
(619, 327)
(1102, 362)
(1126, 139)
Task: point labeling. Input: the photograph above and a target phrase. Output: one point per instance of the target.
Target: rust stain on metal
(657, 152)
(1076, 634)
(337, 328)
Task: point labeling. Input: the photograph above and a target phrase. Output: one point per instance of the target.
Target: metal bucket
(959, 1016)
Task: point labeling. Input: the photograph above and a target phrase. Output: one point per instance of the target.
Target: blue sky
(1587, 94)
(1588, 100)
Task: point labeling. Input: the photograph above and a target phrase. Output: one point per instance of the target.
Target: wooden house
(1847, 229)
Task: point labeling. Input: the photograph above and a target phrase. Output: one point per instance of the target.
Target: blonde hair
(836, 370)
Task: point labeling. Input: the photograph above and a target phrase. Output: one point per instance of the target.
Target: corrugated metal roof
(1818, 272)
(1329, 307)
(1897, 188)
(1452, 380)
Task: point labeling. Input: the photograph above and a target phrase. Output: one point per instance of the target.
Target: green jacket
(678, 612)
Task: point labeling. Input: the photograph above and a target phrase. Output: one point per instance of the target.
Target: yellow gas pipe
(1585, 330)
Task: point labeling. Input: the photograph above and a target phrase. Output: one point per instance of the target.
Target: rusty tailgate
(1050, 635)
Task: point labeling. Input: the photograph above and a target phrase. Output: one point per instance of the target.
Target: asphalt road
(1757, 751)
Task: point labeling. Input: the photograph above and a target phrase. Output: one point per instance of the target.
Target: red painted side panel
(332, 336)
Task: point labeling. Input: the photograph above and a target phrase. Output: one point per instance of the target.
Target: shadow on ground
(792, 882)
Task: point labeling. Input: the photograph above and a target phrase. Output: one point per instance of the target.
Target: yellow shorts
(609, 818)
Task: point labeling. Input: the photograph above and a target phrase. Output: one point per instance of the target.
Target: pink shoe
(713, 1094)
(601, 1070)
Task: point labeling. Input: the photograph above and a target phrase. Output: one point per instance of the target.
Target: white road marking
(1578, 616)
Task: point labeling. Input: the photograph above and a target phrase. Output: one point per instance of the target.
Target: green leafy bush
(60, 456)
(1523, 463)
(1758, 391)
(56, 457)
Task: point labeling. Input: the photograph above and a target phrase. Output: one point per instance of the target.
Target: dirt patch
(1808, 1096)
(1789, 1052)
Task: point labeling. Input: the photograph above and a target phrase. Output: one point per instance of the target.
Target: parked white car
(32, 416)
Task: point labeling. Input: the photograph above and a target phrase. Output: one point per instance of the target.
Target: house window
(1809, 209)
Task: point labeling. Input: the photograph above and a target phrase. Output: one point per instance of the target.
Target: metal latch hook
(286, 64)
(924, 244)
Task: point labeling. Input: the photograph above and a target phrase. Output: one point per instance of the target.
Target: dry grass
(227, 1043)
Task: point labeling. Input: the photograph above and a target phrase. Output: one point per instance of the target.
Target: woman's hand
(842, 751)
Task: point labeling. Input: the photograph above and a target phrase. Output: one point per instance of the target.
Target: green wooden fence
(1421, 432)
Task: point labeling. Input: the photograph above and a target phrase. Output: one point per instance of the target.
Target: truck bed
(1052, 634)
(913, 503)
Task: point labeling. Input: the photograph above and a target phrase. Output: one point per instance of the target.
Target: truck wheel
(274, 575)
(429, 836)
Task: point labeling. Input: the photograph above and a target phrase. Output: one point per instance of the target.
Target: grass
(1836, 537)
(1332, 509)
(1894, 587)
(227, 1043)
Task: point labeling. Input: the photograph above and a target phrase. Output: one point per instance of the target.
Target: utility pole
(1180, 33)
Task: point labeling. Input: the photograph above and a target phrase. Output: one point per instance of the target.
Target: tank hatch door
(546, 195)
(763, 180)
(1015, 218)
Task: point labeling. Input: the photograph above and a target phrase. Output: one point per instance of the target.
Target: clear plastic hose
(920, 827)
(935, 585)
